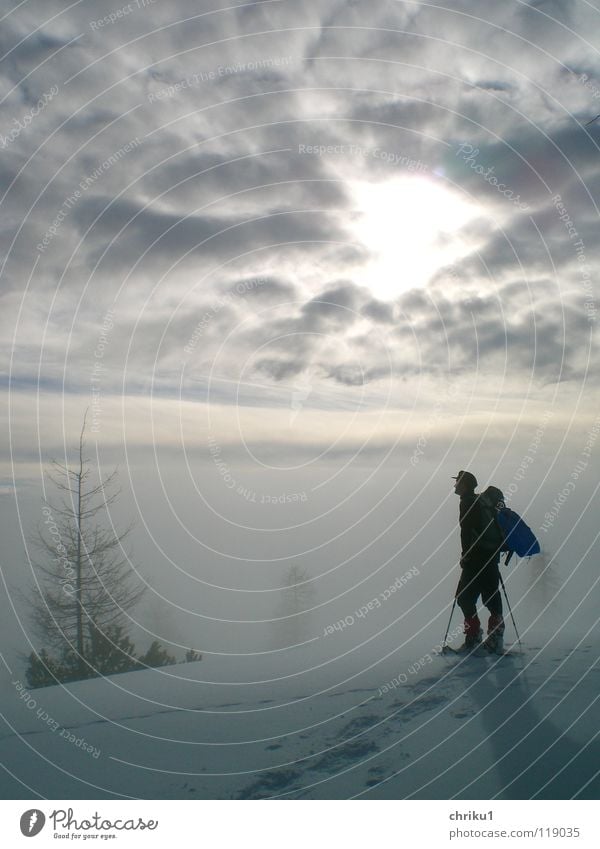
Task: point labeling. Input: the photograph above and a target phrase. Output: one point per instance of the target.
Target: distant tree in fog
(297, 596)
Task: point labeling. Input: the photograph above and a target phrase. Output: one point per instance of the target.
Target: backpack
(517, 537)
(491, 537)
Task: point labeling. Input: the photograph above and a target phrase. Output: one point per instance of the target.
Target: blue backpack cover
(518, 536)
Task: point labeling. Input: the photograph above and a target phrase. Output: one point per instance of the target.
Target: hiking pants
(479, 578)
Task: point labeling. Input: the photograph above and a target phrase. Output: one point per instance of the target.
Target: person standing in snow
(480, 571)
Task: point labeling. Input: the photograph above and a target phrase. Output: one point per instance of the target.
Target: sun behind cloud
(411, 226)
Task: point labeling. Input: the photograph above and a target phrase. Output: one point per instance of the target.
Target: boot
(473, 634)
(494, 642)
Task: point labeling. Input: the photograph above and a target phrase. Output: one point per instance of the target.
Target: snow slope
(479, 728)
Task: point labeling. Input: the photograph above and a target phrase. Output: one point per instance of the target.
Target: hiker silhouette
(480, 574)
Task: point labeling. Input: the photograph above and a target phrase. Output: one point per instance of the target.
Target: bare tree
(85, 582)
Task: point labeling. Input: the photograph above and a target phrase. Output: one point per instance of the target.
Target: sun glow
(411, 226)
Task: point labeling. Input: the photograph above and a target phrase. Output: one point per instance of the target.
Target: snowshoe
(471, 644)
(494, 644)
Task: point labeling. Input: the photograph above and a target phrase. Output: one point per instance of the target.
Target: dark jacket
(471, 522)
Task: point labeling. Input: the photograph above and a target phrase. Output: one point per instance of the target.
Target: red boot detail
(472, 626)
(473, 634)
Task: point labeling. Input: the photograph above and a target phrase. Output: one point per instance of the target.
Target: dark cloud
(378, 311)
(353, 374)
(123, 231)
(337, 303)
(261, 289)
(278, 369)
(275, 180)
(543, 340)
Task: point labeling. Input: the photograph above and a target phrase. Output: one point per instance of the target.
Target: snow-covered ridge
(507, 728)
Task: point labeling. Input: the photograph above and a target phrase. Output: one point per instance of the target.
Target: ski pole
(509, 607)
(449, 621)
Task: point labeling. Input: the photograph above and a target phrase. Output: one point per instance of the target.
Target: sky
(301, 263)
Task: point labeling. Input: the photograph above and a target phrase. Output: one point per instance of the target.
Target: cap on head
(466, 478)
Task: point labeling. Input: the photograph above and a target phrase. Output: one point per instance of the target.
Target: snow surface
(466, 728)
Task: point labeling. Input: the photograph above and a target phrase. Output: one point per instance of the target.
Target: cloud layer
(156, 161)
